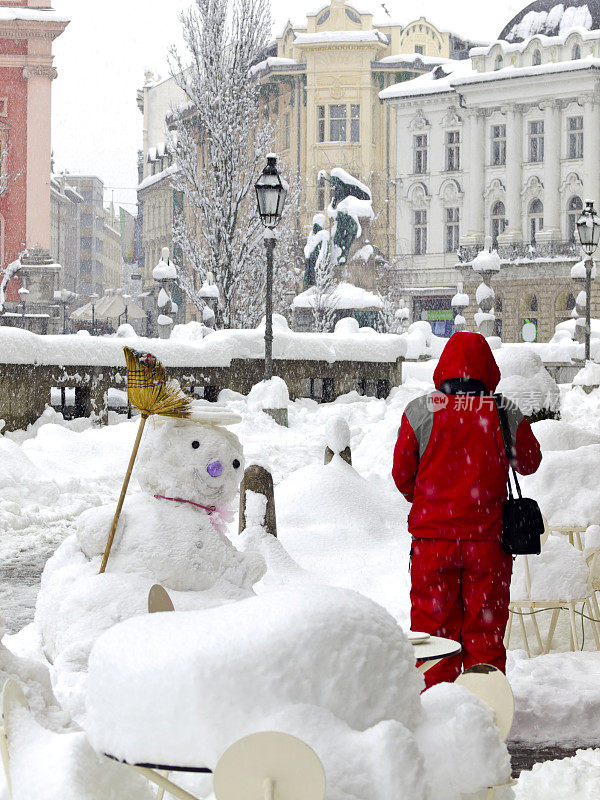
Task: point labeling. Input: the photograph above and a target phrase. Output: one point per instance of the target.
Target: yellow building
(322, 89)
(112, 259)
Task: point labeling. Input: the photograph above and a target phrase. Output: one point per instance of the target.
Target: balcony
(523, 251)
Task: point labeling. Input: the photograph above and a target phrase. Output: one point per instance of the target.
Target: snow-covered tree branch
(220, 148)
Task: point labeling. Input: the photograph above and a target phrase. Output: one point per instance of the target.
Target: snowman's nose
(214, 469)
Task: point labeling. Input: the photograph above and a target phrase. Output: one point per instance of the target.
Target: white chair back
(159, 600)
(492, 687)
(269, 765)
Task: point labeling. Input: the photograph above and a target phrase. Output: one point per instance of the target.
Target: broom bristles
(148, 389)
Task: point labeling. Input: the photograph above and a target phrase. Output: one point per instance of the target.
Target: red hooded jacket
(450, 460)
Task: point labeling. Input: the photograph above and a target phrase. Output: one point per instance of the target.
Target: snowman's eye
(195, 444)
(236, 464)
(215, 469)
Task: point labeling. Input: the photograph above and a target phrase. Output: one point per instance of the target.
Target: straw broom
(150, 392)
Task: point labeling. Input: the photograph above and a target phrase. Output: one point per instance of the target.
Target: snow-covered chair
(558, 579)
(492, 687)
(45, 765)
(572, 531)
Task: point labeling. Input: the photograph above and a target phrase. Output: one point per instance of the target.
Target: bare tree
(220, 146)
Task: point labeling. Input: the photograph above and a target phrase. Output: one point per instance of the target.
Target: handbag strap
(508, 445)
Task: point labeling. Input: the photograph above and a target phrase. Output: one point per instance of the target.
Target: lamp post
(271, 191)
(588, 228)
(64, 297)
(23, 292)
(93, 298)
(126, 298)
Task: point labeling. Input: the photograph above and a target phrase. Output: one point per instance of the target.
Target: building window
(452, 150)
(419, 49)
(536, 219)
(536, 140)
(575, 137)
(355, 123)
(536, 59)
(498, 221)
(574, 209)
(420, 232)
(321, 194)
(576, 53)
(452, 229)
(498, 145)
(321, 123)
(420, 153)
(286, 132)
(498, 64)
(337, 123)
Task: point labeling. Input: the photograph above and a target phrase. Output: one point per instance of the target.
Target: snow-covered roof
(508, 73)
(345, 296)
(546, 41)
(341, 36)
(411, 58)
(31, 15)
(152, 179)
(272, 63)
(438, 81)
(552, 18)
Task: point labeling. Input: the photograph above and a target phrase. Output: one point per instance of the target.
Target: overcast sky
(102, 56)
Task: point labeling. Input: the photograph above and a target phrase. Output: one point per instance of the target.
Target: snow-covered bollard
(164, 273)
(272, 397)
(257, 500)
(337, 435)
(486, 263)
(459, 303)
(578, 313)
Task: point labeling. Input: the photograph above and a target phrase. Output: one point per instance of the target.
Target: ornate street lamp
(588, 228)
(93, 298)
(126, 299)
(271, 191)
(23, 292)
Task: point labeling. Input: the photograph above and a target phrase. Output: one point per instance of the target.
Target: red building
(27, 30)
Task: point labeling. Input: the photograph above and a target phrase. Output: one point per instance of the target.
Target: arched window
(498, 64)
(565, 303)
(535, 218)
(536, 58)
(574, 209)
(576, 53)
(498, 221)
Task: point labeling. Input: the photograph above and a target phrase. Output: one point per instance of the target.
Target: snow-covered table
(430, 652)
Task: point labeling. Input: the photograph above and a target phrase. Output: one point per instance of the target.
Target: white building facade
(506, 146)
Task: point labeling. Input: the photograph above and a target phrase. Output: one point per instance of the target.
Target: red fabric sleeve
(527, 450)
(406, 460)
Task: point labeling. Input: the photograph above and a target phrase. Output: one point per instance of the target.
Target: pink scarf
(219, 517)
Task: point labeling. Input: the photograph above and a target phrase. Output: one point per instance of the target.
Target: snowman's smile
(203, 486)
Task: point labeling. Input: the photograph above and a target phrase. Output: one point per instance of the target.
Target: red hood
(467, 355)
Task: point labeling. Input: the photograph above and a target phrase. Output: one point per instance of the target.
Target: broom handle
(115, 521)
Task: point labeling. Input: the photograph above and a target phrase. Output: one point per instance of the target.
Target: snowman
(173, 533)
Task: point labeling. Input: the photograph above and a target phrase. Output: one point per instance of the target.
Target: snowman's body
(172, 533)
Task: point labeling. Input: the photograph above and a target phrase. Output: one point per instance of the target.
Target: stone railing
(523, 250)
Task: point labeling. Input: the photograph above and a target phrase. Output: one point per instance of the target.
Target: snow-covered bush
(527, 382)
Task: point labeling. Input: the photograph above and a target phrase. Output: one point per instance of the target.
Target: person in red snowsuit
(450, 463)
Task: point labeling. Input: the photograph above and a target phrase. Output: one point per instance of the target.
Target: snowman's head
(203, 463)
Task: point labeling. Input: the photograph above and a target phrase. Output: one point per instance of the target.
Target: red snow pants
(460, 589)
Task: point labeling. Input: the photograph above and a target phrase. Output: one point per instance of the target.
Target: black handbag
(522, 521)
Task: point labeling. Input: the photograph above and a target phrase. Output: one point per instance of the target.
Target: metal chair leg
(522, 618)
(551, 630)
(574, 637)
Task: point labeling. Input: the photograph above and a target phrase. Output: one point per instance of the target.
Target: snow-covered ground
(345, 528)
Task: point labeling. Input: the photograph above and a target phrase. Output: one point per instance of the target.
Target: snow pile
(553, 434)
(558, 573)
(565, 486)
(164, 270)
(525, 380)
(554, 21)
(575, 777)
(364, 254)
(578, 271)
(438, 81)
(172, 533)
(46, 766)
(21, 483)
(486, 261)
(343, 296)
(556, 698)
(336, 639)
(305, 661)
(269, 394)
(588, 376)
(337, 434)
(460, 300)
